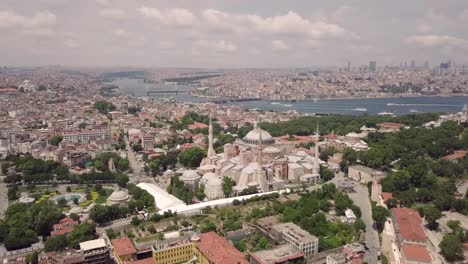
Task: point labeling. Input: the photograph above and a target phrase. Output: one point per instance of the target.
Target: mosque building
(257, 160)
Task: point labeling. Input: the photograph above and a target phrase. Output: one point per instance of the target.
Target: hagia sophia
(258, 160)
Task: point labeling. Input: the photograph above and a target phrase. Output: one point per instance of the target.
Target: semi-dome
(214, 182)
(209, 175)
(76, 210)
(271, 150)
(190, 175)
(118, 196)
(253, 137)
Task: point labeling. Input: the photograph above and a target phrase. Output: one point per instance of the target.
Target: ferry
(360, 109)
(386, 114)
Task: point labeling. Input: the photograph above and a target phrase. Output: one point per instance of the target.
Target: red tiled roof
(416, 253)
(218, 250)
(409, 223)
(386, 196)
(123, 246)
(457, 154)
(197, 125)
(64, 226)
(391, 125)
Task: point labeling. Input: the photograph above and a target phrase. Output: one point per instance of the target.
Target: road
(3, 198)
(137, 172)
(361, 199)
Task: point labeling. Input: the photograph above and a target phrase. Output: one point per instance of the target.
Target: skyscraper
(372, 66)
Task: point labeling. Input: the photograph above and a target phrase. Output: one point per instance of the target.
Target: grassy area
(94, 198)
(102, 198)
(149, 238)
(45, 197)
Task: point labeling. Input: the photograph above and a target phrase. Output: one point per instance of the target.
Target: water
(68, 197)
(358, 106)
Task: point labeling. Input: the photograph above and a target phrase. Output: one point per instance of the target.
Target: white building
(297, 237)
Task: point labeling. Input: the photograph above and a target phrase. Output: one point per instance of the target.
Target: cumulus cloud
(219, 46)
(290, 23)
(173, 16)
(112, 13)
(279, 45)
(118, 32)
(38, 32)
(341, 13)
(71, 43)
(103, 2)
(43, 19)
(438, 41)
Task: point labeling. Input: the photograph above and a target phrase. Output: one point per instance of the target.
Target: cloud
(173, 16)
(118, 32)
(113, 13)
(290, 23)
(38, 32)
(43, 19)
(340, 14)
(293, 23)
(279, 45)
(103, 2)
(464, 15)
(223, 21)
(423, 26)
(219, 46)
(438, 41)
(71, 43)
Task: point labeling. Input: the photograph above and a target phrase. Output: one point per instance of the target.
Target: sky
(232, 33)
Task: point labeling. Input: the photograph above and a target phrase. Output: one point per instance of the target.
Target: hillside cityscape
(226, 151)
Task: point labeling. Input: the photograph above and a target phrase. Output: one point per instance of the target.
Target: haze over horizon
(232, 34)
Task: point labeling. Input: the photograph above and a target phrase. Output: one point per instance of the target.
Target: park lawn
(102, 198)
(94, 197)
(45, 197)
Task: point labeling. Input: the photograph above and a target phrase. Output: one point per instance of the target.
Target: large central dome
(253, 137)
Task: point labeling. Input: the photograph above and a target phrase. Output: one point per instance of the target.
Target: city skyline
(232, 34)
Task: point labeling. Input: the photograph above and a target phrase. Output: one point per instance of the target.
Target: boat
(392, 104)
(414, 111)
(385, 114)
(287, 105)
(360, 109)
(275, 103)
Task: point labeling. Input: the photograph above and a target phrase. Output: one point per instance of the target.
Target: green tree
(455, 225)
(391, 203)
(432, 214)
(121, 179)
(110, 233)
(55, 243)
(228, 185)
(360, 225)
(81, 233)
(192, 157)
(12, 194)
(326, 174)
(135, 221)
(104, 107)
(123, 165)
(379, 214)
(451, 247)
(55, 140)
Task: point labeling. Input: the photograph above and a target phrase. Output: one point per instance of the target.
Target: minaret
(260, 147)
(211, 151)
(316, 165)
(261, 174)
